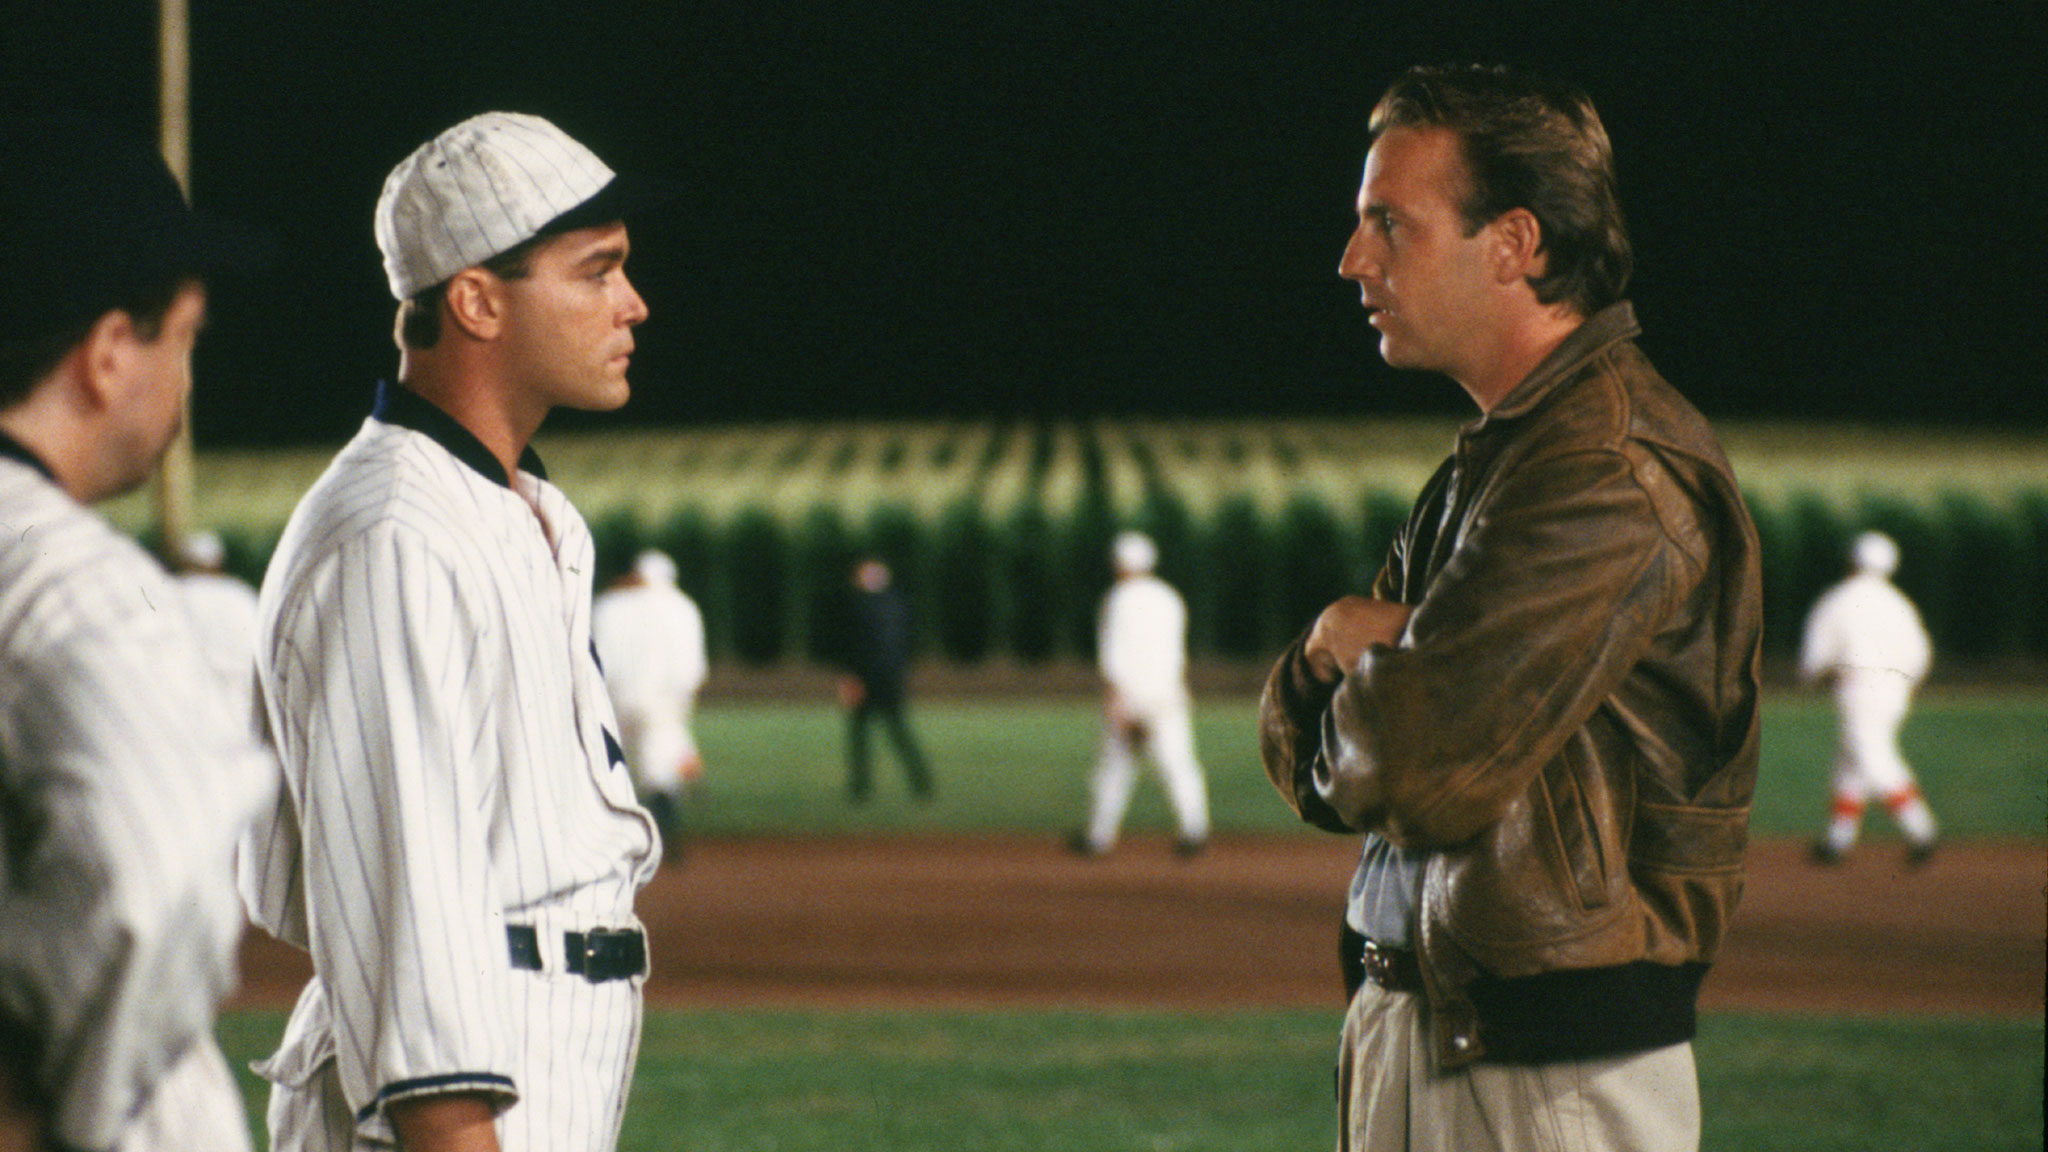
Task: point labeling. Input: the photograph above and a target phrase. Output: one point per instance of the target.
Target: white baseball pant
(1166, 731)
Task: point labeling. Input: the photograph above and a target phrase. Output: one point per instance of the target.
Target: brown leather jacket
(1570, 722)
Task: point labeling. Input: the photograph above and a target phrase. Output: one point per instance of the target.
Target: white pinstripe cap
(483, 186)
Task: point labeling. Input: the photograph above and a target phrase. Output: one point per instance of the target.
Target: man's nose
(1357, 262)
(634, 308)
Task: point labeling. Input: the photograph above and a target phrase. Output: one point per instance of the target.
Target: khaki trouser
(1392, 1098)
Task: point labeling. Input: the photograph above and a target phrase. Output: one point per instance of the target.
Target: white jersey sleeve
(381, 691)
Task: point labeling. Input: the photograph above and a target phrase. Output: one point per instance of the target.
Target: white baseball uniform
(454, 783)
(124, 784)
(1142, 653)
(1866, 636)
(224, 611)
(651, 639)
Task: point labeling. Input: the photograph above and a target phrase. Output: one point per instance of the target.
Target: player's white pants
(1871, 707)
(581, 1043)
(657, 742)
(196, 1108)
(1166, 731)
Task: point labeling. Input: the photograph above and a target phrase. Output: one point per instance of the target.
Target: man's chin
(125, 484)
(610, 400)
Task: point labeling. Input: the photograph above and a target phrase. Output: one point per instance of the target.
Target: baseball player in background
(124, 782)
(224, 608)
(1865, 639)
(650, 636)
(1142, 652)
(461, 845)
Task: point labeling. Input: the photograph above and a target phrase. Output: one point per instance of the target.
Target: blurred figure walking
(1866, 640)
(1142, 652)
(874, 641)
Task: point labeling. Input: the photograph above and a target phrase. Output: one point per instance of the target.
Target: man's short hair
(419, 317)
(95, 223)
(1534, 144)
(26, 358)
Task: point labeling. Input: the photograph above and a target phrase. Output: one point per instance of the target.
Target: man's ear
(475, 303)
(103, 362)
(1518, 246)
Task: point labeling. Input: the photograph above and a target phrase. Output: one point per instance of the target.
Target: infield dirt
(1006, 920)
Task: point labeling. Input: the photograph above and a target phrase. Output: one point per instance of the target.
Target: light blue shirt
(1385, 892)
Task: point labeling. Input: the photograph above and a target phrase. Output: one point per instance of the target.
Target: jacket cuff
(1291, 712)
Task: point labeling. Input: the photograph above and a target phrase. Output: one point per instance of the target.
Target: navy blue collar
(13, 449)
(405, 408)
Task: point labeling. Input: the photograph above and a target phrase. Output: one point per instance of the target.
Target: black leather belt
(598, 955)
(1394, 969)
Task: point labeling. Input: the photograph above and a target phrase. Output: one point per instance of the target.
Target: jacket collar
(1601, 331)
(404, 408)
(12, 449)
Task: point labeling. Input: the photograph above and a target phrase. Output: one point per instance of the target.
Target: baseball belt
(598, 955)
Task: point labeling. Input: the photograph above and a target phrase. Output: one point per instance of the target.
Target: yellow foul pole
(174, 481)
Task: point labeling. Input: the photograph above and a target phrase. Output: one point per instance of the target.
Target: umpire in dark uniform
(871, 645)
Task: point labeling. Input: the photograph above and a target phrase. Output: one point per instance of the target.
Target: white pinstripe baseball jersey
(123, 786)
(451, 769)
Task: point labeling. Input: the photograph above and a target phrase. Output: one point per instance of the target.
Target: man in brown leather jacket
(1544, 718)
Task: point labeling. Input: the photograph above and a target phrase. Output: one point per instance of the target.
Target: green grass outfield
(757, 1081)
(1151, 1081)
(1981, 754)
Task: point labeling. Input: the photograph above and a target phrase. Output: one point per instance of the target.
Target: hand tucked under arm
(1347, 628)
(1297, 696)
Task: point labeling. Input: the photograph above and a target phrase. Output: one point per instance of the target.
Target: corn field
(1001, 529)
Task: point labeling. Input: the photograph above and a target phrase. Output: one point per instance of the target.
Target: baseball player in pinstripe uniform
(460, 845)
(124, 780)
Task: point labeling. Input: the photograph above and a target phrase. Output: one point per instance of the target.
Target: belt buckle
(1383, 967)
(606, 954)
(1377, 963)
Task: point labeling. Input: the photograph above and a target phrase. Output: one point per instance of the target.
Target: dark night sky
(1114, 206)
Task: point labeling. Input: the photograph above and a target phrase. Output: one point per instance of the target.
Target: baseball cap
(91, 217)
(203, 550)
(1875, 552)
(655, 567)
(1135, 552)
(486, 185)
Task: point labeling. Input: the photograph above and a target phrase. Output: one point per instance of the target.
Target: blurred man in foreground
(124, 781)
(1544, 718)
